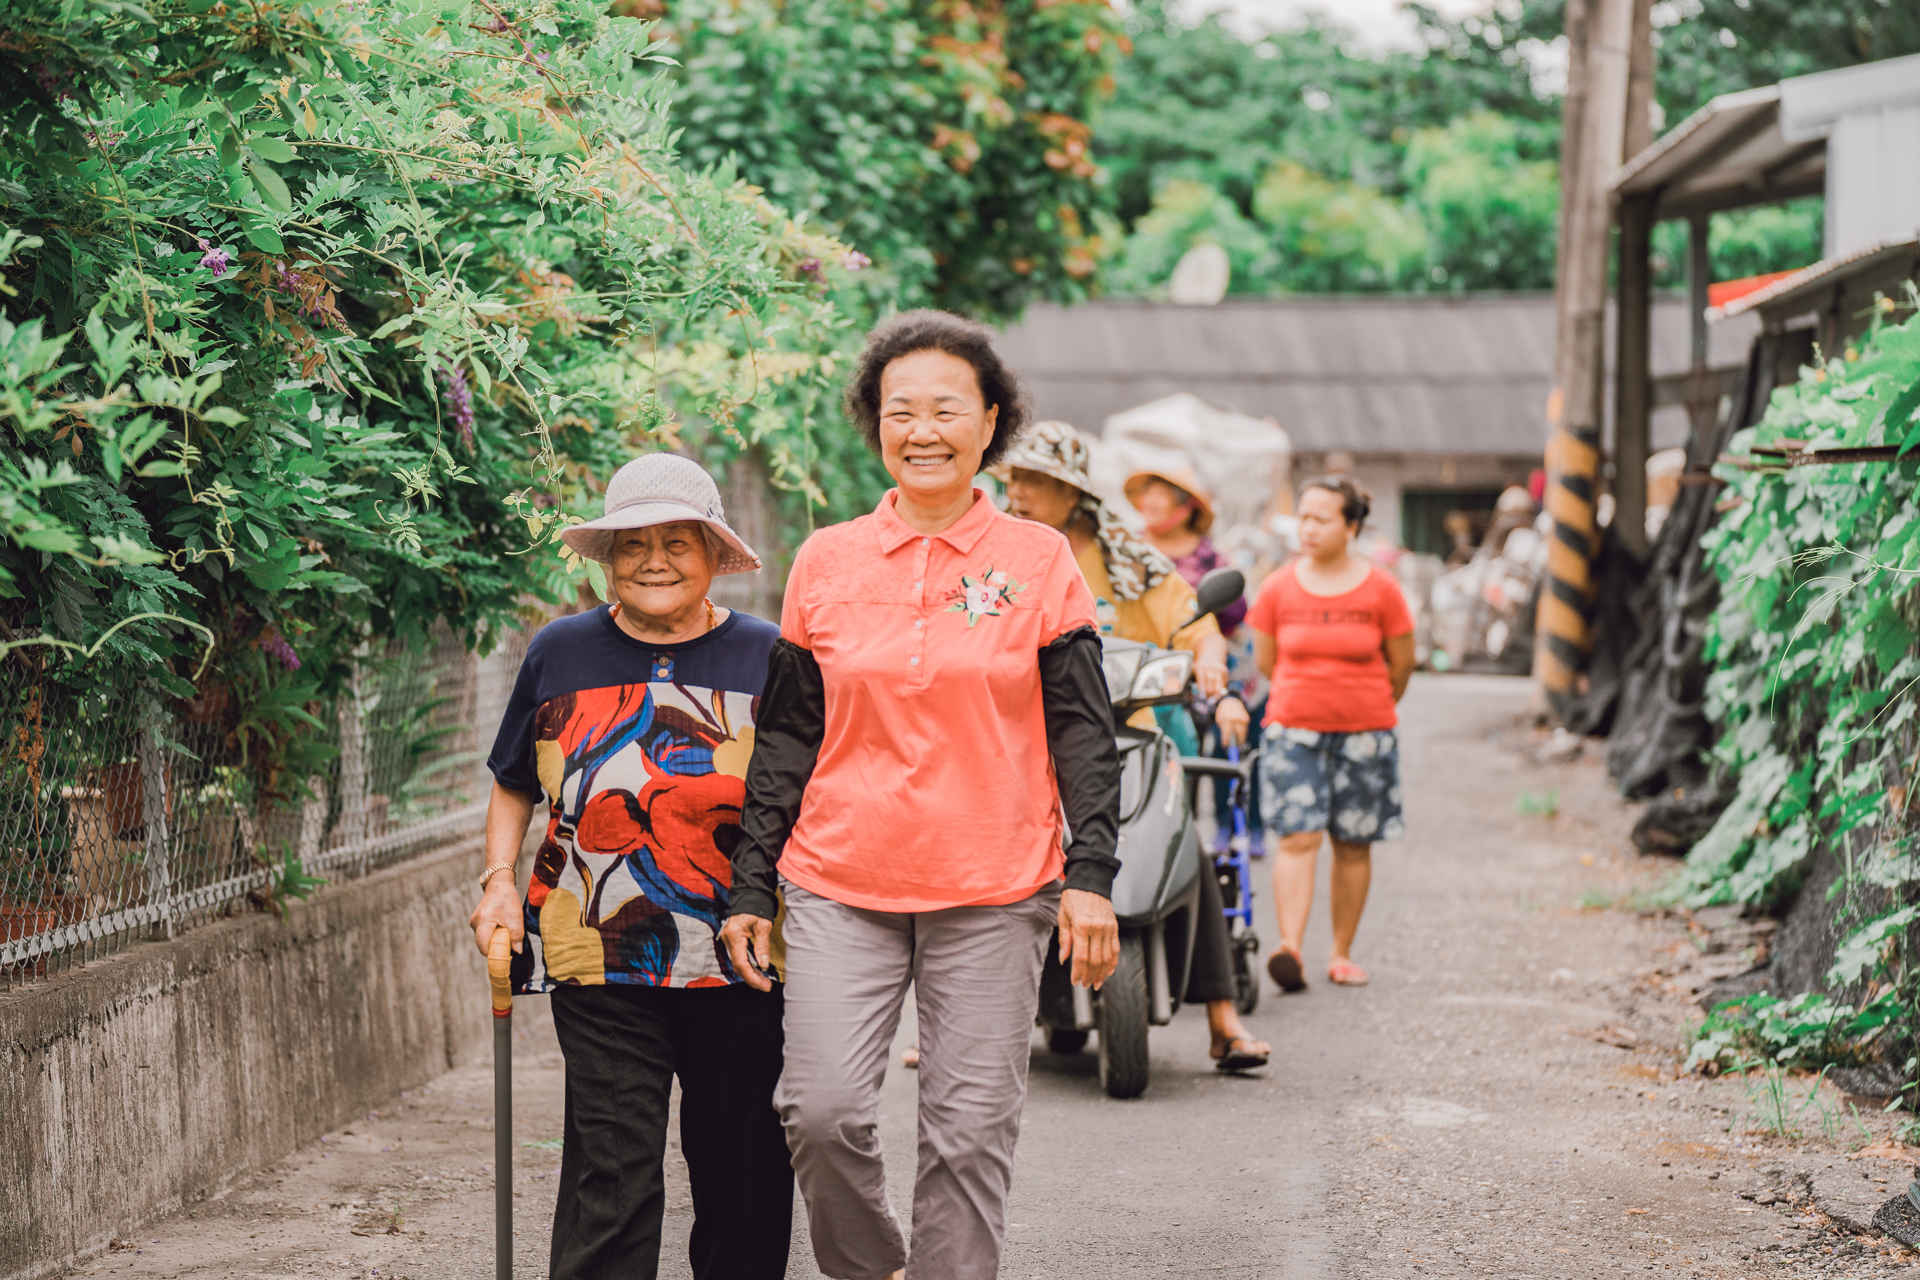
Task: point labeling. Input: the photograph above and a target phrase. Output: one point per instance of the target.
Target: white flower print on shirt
(984, 596)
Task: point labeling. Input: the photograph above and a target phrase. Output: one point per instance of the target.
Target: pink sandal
(1345, 973)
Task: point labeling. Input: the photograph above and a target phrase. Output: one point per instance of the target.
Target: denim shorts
(1347, 784)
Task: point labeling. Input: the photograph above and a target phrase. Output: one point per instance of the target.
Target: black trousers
(1211, 975)
(624, 1045)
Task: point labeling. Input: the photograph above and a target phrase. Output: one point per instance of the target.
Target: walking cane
(500, 976)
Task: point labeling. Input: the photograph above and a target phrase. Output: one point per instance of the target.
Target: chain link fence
(125, 816)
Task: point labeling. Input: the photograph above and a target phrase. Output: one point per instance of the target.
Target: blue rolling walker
(1234, 866)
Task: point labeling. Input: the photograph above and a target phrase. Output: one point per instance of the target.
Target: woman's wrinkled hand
(1231, 719)
(1089, 937)
(499, 909)
(749, 942)
(1211, 676)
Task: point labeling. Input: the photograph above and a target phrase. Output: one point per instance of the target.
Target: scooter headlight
(1120, 666)
(1163, 677)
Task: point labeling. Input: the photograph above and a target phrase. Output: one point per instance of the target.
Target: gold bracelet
(486, 876)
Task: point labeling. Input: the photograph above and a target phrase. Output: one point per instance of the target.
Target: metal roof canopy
(1810, 287)
(1729, 154)
(1764, 145)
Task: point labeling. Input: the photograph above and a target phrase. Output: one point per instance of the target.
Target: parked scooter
(1156, 893)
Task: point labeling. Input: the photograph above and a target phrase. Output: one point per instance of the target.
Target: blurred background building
(1433, 403)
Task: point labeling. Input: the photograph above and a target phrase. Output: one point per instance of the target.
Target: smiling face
(1035, 495)
(934, 425)
(663, 571)
(1324, 531)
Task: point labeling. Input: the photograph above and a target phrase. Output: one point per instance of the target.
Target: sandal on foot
(1284, 967)
(1242, 1053)
(910, 1057)
(1345, 973)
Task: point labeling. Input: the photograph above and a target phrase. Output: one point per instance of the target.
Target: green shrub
(1813, 646)
(321, 320)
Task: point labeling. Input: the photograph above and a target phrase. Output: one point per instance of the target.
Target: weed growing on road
(1866, 1134)
(1542, 804)
(1803, 1032)
(1775, 1109)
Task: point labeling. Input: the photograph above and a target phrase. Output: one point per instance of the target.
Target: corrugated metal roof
(1730, 152)
(1446, 374)
(1810, 284)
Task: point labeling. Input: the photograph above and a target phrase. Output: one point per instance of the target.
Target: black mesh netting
(1646, 679)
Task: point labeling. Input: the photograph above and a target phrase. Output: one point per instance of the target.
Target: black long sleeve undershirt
(1086, 764)
(786, 745)
(792, 724)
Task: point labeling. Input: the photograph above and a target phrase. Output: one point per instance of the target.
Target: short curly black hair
(969, 340)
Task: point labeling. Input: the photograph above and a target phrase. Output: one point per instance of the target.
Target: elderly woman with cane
(634, 722)
(934, 707)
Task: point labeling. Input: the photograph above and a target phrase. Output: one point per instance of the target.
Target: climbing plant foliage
(320, 320)
(1815, 688)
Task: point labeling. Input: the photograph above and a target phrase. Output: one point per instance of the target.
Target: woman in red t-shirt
(1335, 635)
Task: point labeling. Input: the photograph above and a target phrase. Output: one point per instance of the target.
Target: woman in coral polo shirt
(934, 706)
(1335, 635)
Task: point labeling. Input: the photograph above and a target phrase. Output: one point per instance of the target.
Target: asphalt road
(1452, 1119)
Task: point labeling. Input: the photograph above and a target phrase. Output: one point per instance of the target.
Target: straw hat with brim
(1179, 478)
(662, 488)
(1053, 449)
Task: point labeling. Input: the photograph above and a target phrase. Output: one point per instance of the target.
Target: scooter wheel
(1122, 1022)
(1066, 1040)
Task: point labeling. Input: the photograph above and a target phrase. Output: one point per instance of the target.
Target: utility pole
(1601, 37)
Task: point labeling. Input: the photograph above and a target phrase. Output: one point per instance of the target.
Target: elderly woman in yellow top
(1139, 595)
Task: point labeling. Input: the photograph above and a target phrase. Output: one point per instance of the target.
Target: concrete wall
(161, 1076)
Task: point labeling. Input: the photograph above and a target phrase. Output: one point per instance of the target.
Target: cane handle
(500, 971)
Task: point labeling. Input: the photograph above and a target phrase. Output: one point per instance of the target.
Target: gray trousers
(976, 976)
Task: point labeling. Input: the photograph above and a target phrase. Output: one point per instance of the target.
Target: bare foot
(910, 1059)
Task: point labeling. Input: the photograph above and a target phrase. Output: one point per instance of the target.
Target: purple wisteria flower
(54, 82)
(811, 267)
(459, 397)
(275, 645)
(215, 260)
(854, 260)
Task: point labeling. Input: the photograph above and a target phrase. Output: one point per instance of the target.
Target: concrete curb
(159, 1077)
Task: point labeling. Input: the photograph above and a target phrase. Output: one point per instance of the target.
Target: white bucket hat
(661, 488)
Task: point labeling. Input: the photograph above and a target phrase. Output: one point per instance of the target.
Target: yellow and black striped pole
(1573, 465)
